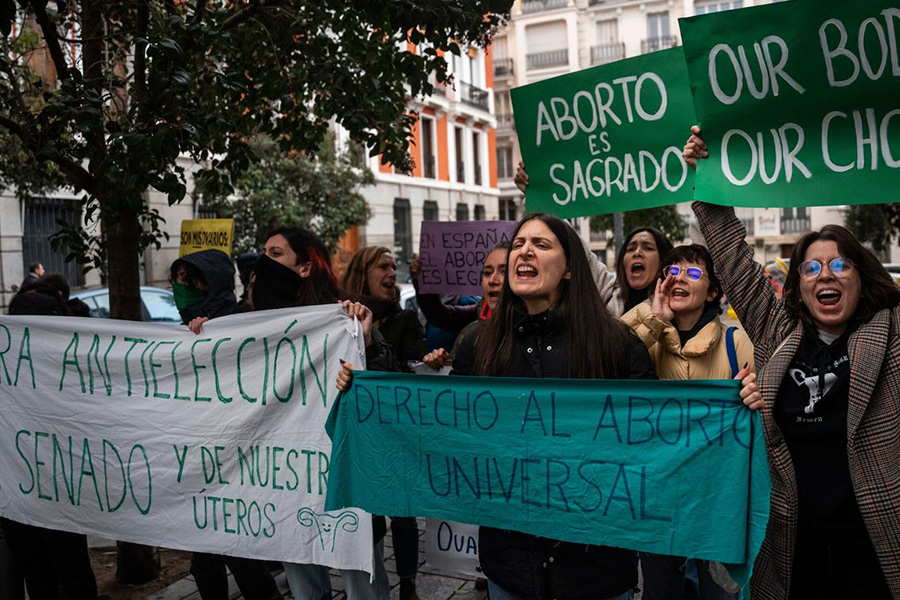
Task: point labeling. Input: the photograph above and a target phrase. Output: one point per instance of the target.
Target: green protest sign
(675, 467)
(608, 138)
(798, 101)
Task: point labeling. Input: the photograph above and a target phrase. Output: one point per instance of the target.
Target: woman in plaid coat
(828, 354)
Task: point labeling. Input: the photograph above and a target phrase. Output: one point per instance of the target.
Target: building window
(428, 158)
(207, 212)
(480, 213)
(402, 237)
(430, 211)
(42, 217)
(658, 36)
(711, 7)
(476, 156)
(505, 168)
(508, 209)
(459, 138)
(462, 212)
(608, 47)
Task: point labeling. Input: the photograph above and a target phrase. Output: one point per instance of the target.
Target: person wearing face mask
(828, 353)
(637, 263)
(371, 278)
(203, 286)
(294, 269)
(686, 340)
(548, 294)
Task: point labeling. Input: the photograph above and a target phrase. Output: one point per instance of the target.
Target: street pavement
(430, 584)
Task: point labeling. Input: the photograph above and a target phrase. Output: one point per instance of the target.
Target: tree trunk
(123, 267)
(135, 563)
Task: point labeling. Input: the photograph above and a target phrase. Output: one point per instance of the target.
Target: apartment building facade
(455, 156)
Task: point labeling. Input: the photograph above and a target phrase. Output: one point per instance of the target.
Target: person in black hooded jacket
(203, 284)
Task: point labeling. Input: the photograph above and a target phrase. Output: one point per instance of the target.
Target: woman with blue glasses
(687, 340)
(828, 354)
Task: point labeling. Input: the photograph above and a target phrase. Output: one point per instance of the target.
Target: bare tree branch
(48, 29)
(198, 12)
(245, 13)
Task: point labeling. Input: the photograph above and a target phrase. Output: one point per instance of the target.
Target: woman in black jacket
(539, 330)
(371, 278)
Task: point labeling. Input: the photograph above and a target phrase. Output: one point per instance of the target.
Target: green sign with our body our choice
(608, 138)
(800, 104)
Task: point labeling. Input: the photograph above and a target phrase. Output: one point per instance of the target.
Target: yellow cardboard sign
(203, 234)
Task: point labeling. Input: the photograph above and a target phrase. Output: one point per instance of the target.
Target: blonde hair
(354, 280)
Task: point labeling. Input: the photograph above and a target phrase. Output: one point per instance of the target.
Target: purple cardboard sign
(453, 253)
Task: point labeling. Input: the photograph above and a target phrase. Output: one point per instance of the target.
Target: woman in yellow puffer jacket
(681, 327)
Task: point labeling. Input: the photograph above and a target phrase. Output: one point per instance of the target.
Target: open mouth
(637, 268)
(829, 298)
(493, 294)
(680, 293)
(526, 272)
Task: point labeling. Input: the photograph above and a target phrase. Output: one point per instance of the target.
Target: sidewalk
(430, 584)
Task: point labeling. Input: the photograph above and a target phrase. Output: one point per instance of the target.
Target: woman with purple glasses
(687, 340)
(828, 354)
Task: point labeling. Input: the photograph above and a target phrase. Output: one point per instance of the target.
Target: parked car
(158, 305)
(893, 270)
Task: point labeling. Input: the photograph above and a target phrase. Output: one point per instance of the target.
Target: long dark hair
(595, 338)
(695, 253)
(663, 247)
(877, 290)
(321, 287)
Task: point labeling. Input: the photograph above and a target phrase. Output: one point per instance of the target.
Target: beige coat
(703, 357)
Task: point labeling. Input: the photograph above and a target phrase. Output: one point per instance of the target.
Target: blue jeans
(498, 593)
(313, 582)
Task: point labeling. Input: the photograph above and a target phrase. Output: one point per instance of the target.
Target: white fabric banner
(151, 434)
(452, 547)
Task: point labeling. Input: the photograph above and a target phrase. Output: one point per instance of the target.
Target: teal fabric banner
(670, 467)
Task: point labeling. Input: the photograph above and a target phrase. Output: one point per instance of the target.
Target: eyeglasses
(839, 267)
(693, 273)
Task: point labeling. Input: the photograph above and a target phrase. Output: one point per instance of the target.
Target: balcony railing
(477, 174)
(460, 172)
(505, 121)
(530, 6)
(596, 2)
(605, 53)
(544, 60)
(658, 43)
(503, 66)
(474, 96)
(798, 225)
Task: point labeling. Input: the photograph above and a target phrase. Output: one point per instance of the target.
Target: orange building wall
(443, 149)
(489, 67)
